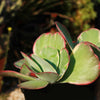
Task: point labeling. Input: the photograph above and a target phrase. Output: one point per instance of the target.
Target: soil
(16, 94)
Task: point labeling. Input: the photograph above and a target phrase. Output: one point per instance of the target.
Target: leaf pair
(51, 47)
(47, 65)
(84, 63)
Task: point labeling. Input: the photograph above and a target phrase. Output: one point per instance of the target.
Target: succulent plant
(51, 62)
(85, 56)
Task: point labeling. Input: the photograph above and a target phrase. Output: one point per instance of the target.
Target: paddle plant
(51, 62)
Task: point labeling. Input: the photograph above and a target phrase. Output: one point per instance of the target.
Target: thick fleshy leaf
(50, 77)
(25, 70)
(31, 64)
(19, 63)
(45, 66)
(36, 84)
(84, 66)
(48, 40)
(50, 55)
(20, 76)
(64, 62)
(61, 28)
(92, 35)
(98, 44)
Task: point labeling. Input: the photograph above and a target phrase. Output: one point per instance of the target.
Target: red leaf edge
(31, 88)
(31, 72)
(87, 83)
(17, 66)
(48, 34)
(88, 30)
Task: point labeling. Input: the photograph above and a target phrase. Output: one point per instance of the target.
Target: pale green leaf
(48, 40)
(65, 34)
(20, 76)
(50, 77)
(84, 66)
(92, 35)
(19, 63)
(50, 55)
(36, 84)
(25, 70)
(31, 63)
(45, 66)
(64, 62)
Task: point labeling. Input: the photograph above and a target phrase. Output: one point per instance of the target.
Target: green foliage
(94, 38)
(83, 66)
(11, 10)
(50, 62)
(66, 35)
(8, 9)
(82, 57)
(82, 12)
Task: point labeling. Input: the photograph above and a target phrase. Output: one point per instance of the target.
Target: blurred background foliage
(30, 18)
(77, 15)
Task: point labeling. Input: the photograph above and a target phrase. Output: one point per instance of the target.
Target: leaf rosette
(51, 63)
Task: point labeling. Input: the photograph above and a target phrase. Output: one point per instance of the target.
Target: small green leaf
(84, 66)
(48, 40)
(65, 34)
(32, 64)
(50, 77)
(19, 63)
(25, 70)
(20, 76)
(50, 55)
(64, 62)
(36, 84)
(45, 66)
(92, 35)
